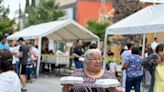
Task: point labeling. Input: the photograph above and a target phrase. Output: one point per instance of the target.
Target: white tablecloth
(56, 60)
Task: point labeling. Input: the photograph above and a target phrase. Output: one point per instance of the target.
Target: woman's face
(12, 43)
(94, 63)
(80, 43)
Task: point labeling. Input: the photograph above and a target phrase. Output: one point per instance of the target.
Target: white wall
(69, 14)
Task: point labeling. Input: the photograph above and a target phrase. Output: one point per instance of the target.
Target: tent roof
(62, 30)
(153, 1)
(147, 20)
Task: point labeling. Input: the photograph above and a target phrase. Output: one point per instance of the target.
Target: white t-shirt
(113, 66)
(9, 82)
(154, 45)
(125, 54)
(15, 50)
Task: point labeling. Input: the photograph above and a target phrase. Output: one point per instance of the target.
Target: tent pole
(105, 48)
(143, 45)
(39, 58)
(98, 41)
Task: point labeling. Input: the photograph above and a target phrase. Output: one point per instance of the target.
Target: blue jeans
(29, 69)
(17, 67)
(133, 81)
(78, 64)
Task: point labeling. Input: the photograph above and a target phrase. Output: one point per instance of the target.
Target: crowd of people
(134, 68)
(18, 63)
(17, 59)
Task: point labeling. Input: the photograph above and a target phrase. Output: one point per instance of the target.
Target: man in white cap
(93, 45)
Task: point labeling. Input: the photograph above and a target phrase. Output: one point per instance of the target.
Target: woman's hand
(66, 87)
(119, 89)
(111, 89)
(115, 89)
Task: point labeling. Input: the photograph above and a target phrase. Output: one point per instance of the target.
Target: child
(111, 65)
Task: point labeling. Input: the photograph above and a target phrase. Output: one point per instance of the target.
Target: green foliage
(97, 28)
(109, 42)
(5, 22)
(46, 11)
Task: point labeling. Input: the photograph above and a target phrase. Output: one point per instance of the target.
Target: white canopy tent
(153, 1)
(147, 20)
(62, 30)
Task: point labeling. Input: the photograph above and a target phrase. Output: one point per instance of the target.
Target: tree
(46, 11)
(124, 8)
(5, 22)
(97, 28)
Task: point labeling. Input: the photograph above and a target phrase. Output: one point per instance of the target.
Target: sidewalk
(45, 83)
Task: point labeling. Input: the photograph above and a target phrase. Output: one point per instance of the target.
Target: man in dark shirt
(24, 50)
(77, 53)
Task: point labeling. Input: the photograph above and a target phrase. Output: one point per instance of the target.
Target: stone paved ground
(45, 83)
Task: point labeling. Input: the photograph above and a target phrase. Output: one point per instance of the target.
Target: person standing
(71, 53)
(159, 70)
(15, 51)
(35, 52)
(3, 43)
(77, 53)
(154, 44)
(24, 50)
(93, 45)
(9, 80)
(134, 70)
(124, 55)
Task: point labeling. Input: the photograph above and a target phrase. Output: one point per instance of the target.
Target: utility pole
(21, 18)
(102, 12)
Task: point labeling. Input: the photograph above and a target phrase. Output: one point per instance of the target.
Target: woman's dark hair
(20, 39)
(6, 60)
(155, 38)
(135, 50)
(159, 48)
(129, 45)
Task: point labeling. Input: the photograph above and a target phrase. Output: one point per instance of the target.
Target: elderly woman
(92, 71)
(9, 81)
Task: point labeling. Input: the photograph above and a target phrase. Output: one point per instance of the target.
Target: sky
(14, 6)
